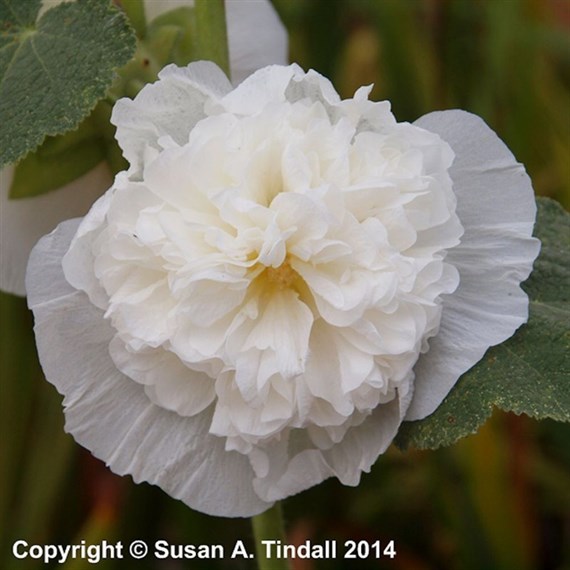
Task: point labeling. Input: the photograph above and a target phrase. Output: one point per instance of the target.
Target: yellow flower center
(283, 276)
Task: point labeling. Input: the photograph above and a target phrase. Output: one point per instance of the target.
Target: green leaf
(529, 373)
(54, 70)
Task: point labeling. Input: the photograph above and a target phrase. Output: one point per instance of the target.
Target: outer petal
(256, 36)
(496, 205)
(24, 221)
(111, 415)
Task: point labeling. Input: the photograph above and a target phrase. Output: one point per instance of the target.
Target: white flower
(279, 279)
(256, 38)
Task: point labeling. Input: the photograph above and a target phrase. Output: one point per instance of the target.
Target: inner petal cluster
(282, 268)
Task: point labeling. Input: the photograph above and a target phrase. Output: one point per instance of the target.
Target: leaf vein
(41, 61)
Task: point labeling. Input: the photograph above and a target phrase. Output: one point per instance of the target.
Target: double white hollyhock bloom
(256, 38)
(279, 280)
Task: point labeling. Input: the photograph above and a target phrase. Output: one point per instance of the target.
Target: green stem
(269, 526)
(211, 37)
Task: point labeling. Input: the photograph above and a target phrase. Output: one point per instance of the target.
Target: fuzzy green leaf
(54, 69)
(528, 374)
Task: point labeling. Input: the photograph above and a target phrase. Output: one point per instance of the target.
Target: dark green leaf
(528, 374)
(54, 70)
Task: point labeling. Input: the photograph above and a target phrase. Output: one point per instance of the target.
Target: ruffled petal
(111, 415)
(168, 108)
(295, 465)
(264, 87)
(24, 221)
(283, 327)
(496, 205)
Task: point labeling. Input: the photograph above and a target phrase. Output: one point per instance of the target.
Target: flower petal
(170, 107)
(283, 326)
(496, 206)
(111, 415)
(24, 221)
(264, 87)
(256, 37)
(295, 465)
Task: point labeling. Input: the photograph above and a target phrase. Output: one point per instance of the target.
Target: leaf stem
(269, 526)
(211, 37)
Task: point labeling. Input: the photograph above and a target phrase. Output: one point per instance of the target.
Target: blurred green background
(497, 500)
